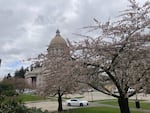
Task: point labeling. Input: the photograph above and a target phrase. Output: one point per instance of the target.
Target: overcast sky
(27, 26)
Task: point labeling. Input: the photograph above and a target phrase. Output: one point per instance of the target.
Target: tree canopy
(119, 56)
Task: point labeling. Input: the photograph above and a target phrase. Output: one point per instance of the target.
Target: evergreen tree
(20, 73)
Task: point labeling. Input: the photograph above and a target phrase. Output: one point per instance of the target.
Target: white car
(130, 90)
(76, 102)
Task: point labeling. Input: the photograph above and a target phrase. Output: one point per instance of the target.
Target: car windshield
(74, 100)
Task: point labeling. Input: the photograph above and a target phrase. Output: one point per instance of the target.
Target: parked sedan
(130, 90)
(76, 102)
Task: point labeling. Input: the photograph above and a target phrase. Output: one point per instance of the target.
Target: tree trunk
(60, 108)
(123, 104)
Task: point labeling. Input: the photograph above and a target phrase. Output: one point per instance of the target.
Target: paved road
(52, 105)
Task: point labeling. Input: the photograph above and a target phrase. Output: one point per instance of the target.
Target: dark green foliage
(8, 76)
(20, 73)
(13, 106)
(35, 110)
(7, 89)
(9, 102)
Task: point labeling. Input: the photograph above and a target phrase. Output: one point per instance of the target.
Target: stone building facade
(57, 47)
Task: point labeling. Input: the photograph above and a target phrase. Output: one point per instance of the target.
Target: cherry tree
(57, 75)
(58, 80)
(119, 55)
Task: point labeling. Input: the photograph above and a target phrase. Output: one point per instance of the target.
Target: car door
(74, 102)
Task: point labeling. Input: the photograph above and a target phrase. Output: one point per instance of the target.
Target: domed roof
(58, 40)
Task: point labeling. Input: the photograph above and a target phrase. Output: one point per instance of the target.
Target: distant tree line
(18, 80)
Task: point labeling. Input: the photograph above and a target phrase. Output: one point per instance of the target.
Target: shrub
(12, 106)
(9, 103)
(7, 89)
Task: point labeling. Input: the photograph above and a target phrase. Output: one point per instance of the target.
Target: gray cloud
(27, 26)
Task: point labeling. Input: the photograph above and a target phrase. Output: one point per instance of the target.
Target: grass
(29, 97)
(96, 110)
(143, 104)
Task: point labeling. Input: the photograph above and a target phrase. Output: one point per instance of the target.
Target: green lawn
(143, 104)
(29, 97)
(97, 110)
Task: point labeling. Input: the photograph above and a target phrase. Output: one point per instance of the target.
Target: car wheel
(81, 104)
(69, 104)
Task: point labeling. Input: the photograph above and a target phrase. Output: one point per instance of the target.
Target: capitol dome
(58, 45)
(57, 40)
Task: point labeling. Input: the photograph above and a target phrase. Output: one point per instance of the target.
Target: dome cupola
(57, 40)
(58, 45)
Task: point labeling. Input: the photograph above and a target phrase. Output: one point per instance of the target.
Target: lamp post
(92, 96)
(0, 61)
(137, 103)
